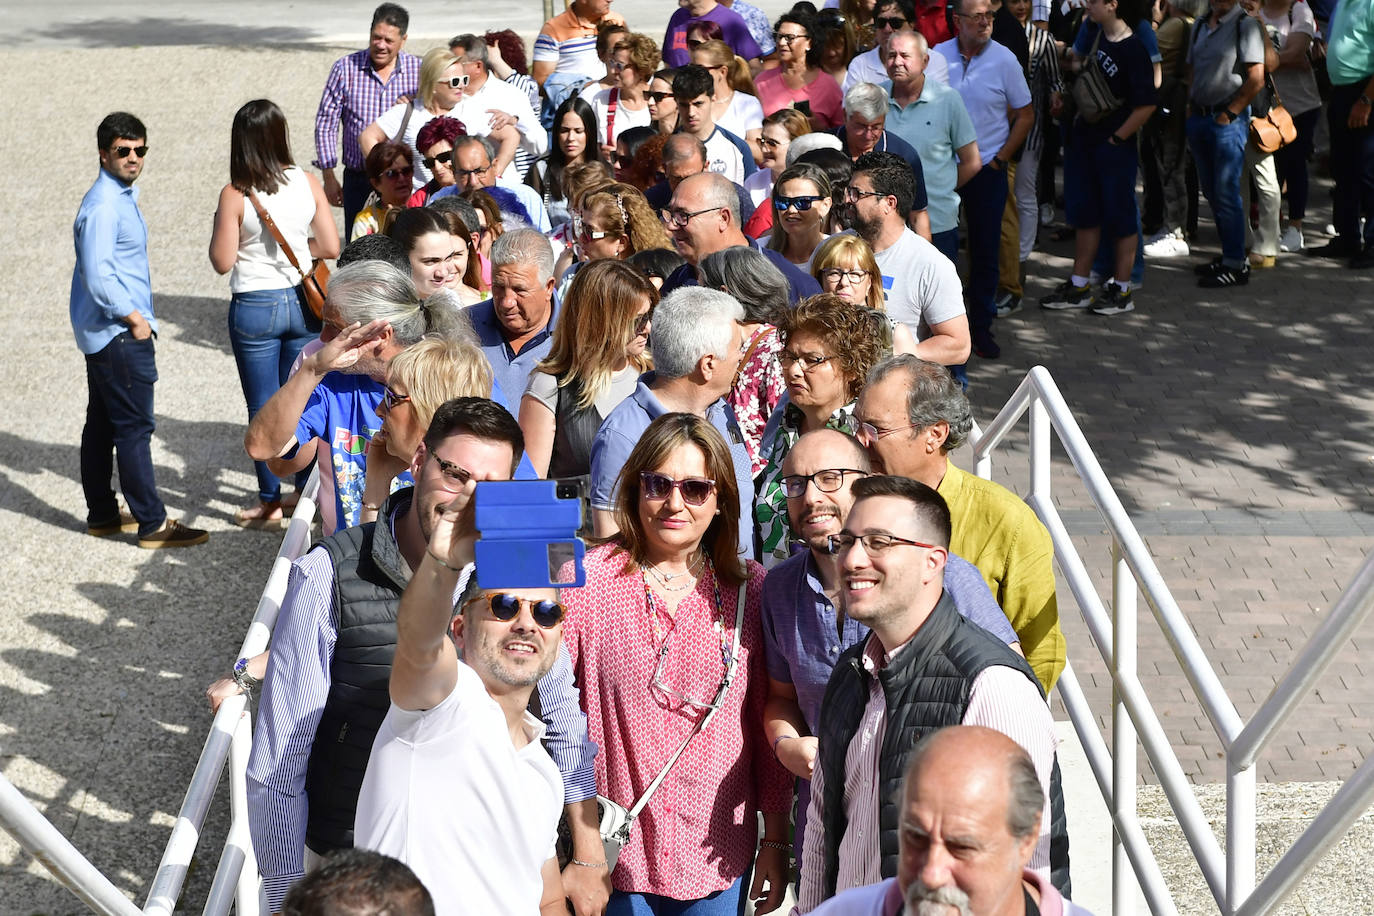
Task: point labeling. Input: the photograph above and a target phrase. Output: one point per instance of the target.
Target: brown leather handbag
(1275, 129)
(315, 283)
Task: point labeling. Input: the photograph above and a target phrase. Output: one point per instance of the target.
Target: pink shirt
(697, 834)
(827, 102)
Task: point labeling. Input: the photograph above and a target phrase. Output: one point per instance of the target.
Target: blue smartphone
(527, 533)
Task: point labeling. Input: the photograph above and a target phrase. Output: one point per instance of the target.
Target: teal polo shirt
(936, 124)
(1350, 49)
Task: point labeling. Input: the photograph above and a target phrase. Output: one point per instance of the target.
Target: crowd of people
(728, 284)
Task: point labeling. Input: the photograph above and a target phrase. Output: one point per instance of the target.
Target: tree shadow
(162, 31)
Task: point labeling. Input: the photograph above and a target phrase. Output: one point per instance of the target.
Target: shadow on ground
(157, 31)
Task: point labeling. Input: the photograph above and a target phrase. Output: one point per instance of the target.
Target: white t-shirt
(390, 122)
(744, 113)
(625, 118)
(1297, 88)
(723, 157)
(760, 186)
(447, 793)
(867, 68)
(261, 263)
(495, 94)
(921, 284)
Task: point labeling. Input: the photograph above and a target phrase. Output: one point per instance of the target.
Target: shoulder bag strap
(725, 683)
(271, 225)
(610, 115)
(405, 122)
(753, 345)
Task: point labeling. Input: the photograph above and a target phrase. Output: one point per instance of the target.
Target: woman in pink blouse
(652, 635)
(799, 81)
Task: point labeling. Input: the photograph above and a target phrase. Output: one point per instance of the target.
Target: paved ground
(1235, 426)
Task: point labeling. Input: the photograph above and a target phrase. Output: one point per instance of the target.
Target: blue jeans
(985, 197)
(1219, 151)
(119, 425)
(267, 329)
(729, 902)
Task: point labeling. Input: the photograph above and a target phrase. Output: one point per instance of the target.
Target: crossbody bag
(314, 283)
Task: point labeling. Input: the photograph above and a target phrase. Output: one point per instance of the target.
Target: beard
(489, 656)
(868, 229)
(935, 901)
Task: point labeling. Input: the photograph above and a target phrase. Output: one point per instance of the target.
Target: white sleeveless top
(262, 264)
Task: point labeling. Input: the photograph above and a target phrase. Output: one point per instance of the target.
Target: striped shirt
(1000, 698)
(571, 45)
(355, 96)
(293, 698)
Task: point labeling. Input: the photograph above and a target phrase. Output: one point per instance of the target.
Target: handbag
(1091, 93)
(616, 820)
(1274, 130)
(315, 283)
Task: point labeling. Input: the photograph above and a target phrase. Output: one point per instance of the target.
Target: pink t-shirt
(823, 93)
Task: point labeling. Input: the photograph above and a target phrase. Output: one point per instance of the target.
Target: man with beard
(923, 290)
(803, 632)
(325, 692)
(970, 807)
(458, 785)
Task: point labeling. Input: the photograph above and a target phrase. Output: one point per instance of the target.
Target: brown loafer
(125, 523)
(173, 534)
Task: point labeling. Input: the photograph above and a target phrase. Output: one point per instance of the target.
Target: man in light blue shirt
(112, 318)
(932, 118)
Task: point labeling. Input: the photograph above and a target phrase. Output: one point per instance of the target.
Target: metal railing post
(1040, 455)
(1240, 835)
(1123, 731)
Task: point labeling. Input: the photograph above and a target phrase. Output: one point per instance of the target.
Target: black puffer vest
(369, 576)
(927, 687)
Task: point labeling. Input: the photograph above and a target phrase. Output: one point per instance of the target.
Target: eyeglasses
(869, 434)
(658, 97)
(460, 174)
(695, 490)
(808, 361)
(802, 204)
(393, 174)
(390, 399)
(895, 23)
(766, 143)
(827, 481)
(456, 82)
(676, 219)
(976, 17)
(455, 476)
(660, 685)
(642, 322)
(615, 66)
(122, 152)
(445, 158)
(505, 608)
(853, 194)
(836, 274)
(875, 545)
(784, 38)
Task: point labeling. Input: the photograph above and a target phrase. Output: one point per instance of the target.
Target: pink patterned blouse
(757, 390)
(696, 835)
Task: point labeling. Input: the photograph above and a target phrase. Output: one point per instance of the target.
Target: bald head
(683, 155)
(832, 461)
(708, 209)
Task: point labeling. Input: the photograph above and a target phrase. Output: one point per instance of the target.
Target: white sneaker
(1047, 214)
(1171, 245)
(1292, 240)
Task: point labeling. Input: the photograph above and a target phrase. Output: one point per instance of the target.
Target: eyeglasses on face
(786, 38)
(869, 434)
(802, 203)
(808, 361)
(505, 608)
(390, 399)
(895, 23)
(456, 82)
(445, 158)
(122, 152)
(695, 490)
(827, 481)
(453, 476)
(676, 219)
(460, 174)
(836, 274)
(977, 17)
(769, 143)
(875, 545)
(403, 172)
(853, 194)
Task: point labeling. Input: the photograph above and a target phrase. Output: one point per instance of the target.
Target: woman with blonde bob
(735, 105)
(595, 360)
(844, 265)
(652, 635)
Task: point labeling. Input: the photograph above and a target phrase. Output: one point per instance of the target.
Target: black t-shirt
(1131, 76)
(1007, 31)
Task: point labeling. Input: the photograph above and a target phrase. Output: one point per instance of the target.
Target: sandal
(262, 516)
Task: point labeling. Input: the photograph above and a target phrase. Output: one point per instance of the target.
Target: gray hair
(689, 323)
(681, 147)
(866, 100)
(751, 278)
(365, 291)
(521, 246)
(719, 191)
(932, 396)
(1027, 799)
(474, 47)
(469, 139)
(917, 39)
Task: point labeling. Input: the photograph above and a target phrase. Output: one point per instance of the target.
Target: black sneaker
(173, 534)
(1205, 270)
(1068, 296)
(1008, 304)
(1226, 276)
(1113, 300)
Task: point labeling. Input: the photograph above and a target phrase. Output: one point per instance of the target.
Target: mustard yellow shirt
(996, 531)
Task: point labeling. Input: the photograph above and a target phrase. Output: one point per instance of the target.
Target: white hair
(867, 100)
(690, 323)
(524, 246)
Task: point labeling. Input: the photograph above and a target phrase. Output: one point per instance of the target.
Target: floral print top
(758, 388)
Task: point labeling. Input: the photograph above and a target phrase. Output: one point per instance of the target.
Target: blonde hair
(432, 66)
(438, 369)
(621, 209)
(582, 178)
(719, 54)
(843, 250)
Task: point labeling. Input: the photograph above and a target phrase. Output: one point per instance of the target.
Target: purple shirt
(356, 96)
(732, 26)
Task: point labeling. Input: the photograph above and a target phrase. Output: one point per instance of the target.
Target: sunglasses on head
(802, 204)
(695, 490)
(393, 174)
(457, 82)
(505, 608)
(122, 152)
(445, 158)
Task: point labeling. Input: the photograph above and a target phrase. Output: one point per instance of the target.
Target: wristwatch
(1230, 115)
(1000, 163)
(247, 683)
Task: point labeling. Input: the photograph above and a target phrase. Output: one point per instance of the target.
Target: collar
(875, 659)
(114, 185)
(952, 484)
(1234, 13)
(1051, 902)
(386, 553)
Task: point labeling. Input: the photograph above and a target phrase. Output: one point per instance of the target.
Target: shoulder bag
(1273, 128)
(1092, 95)
(314, 284)
(616, 821)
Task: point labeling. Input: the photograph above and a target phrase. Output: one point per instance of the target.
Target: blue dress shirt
(110, 279)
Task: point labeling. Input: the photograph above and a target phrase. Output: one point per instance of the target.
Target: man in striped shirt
(361, 86)
(567, 42)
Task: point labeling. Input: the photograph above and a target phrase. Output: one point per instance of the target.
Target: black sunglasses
(895, 23)
(445, 158)
(802, 204)
(122, 152)
(658, 97)
(505, 608)
(393, 174)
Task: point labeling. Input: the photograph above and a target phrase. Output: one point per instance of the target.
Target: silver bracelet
(435, 557)
(579, 861)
